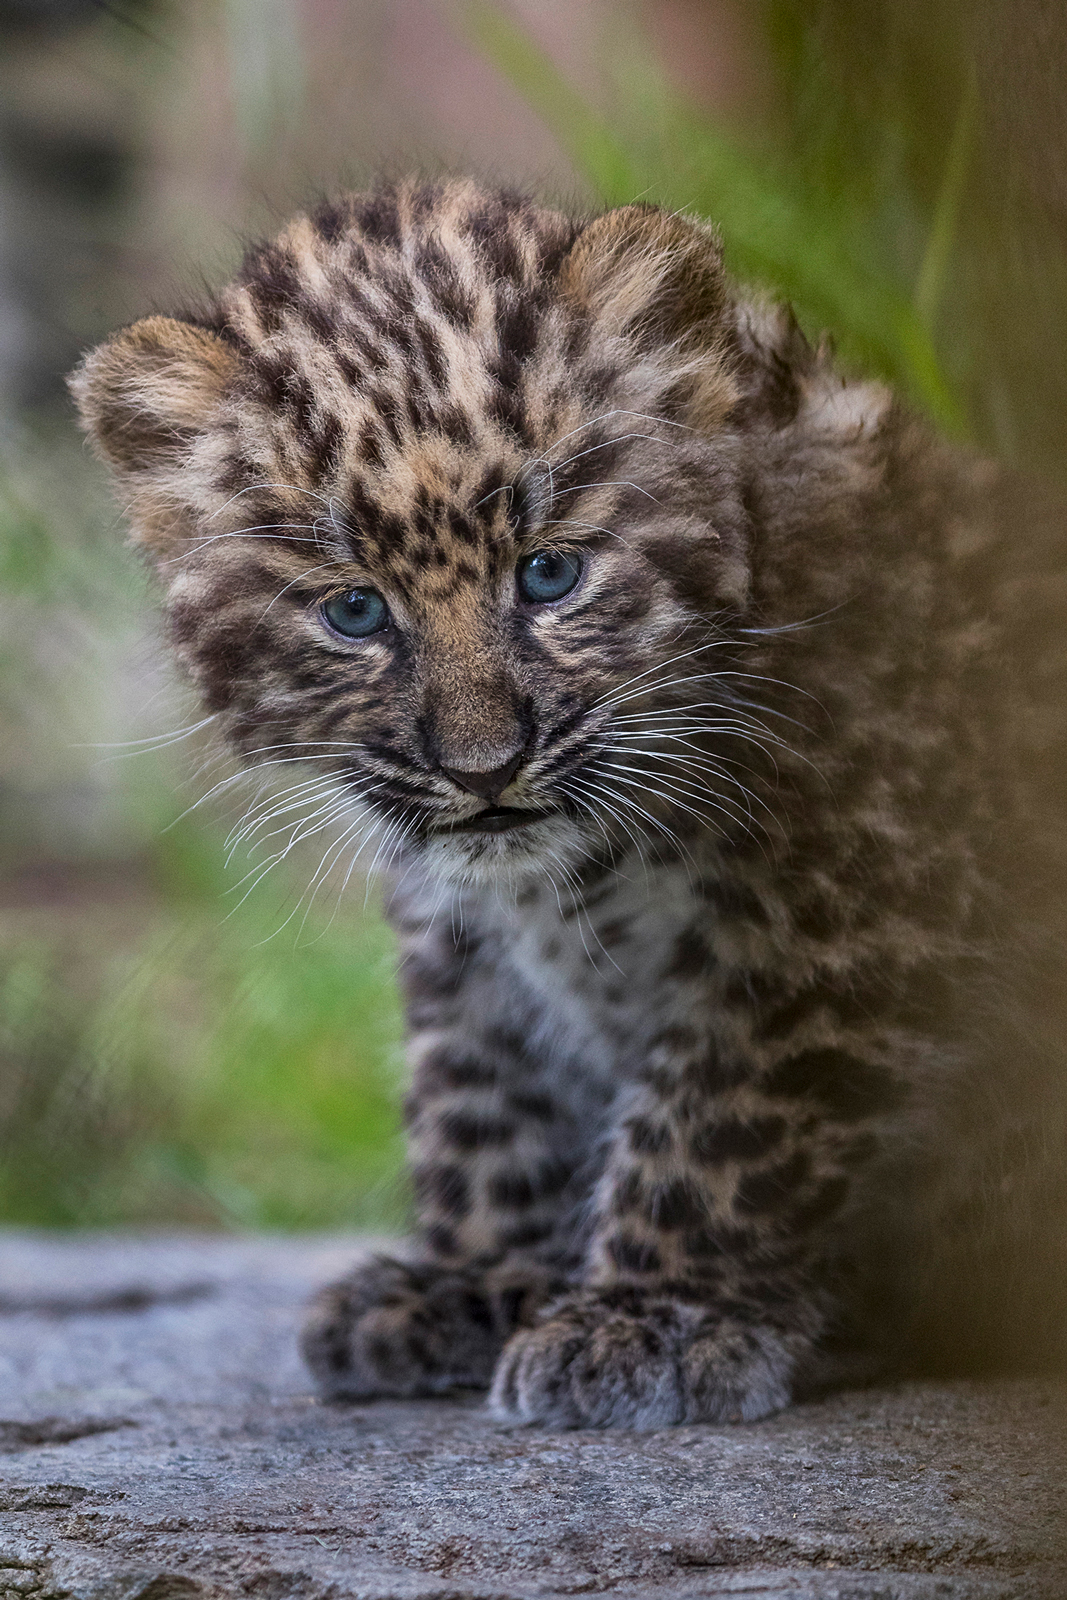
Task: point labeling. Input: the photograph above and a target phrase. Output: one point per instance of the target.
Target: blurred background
(185, 1037)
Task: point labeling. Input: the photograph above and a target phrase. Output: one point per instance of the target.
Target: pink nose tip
(487, 785)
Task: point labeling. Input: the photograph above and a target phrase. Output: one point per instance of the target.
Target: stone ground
(159, 1441)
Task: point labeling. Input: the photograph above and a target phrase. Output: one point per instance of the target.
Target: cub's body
(709, 720)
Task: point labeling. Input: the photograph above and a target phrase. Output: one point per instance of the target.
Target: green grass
(163, 1062)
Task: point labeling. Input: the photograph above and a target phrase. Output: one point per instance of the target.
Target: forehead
(405, 358)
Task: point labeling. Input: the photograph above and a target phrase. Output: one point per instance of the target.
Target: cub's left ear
(657, 279)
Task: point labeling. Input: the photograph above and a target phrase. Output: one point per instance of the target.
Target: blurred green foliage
(171, 1050)
(875, 199)
(197, 1075)
(827, 225)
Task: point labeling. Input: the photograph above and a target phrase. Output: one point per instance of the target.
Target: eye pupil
(356, 614)
(548, 575)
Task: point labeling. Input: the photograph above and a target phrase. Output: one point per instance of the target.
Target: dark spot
(462, 530)
(648, 1138)
(525, 1233)
(332, 218)
(770, 1189)
(628, 1194)
(442, 278)
(488, 228)
(433, 353)
(469, 1130)
(371, 445)
(690, 957)
(456, 425)
(847, 1001)
(734, 901)
(442, 1240)
(387, 408)
(816, 919)
(446, 1187)
(539, 1106)
(329, 448)
(674, 1205)
(634, 1255)
(510, 1189)
(663, 1081)
(552, 1176)
(845, 1084)
(422, 978)
(732, 1140)
(828, 1198)
(518, 323)
(716, 1241)
(505, 407)
(752, 990)
(378, 218)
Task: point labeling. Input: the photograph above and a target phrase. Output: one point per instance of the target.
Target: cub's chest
(603, 961)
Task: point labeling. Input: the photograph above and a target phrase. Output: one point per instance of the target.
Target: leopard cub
(707, 714)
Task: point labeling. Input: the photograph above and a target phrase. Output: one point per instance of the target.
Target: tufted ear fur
(145, 397)
(658, 280)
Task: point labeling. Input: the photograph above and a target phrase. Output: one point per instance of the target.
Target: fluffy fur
(737, 1059)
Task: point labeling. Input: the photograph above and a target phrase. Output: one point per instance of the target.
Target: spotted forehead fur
(403, 357)
(394, 368)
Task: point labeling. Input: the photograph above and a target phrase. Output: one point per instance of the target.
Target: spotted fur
(736, 1052)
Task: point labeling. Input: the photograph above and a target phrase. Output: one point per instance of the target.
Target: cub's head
(444, 493)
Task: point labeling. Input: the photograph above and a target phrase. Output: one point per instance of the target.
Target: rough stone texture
(159, 1441)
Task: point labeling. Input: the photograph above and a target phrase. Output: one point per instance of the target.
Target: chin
(549, 847)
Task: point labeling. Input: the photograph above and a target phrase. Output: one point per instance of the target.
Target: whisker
(261, 530)
(607, 483)
(253, 488)
(148, 746)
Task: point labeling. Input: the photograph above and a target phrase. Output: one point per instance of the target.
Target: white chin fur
(555, 844)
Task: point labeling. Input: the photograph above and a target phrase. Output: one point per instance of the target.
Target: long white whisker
(606, 483)
(160, 741)
(253, 488)
(261, 530)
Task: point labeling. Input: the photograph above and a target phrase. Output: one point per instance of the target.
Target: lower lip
(501, 820)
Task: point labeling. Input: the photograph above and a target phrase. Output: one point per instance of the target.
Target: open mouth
(494, 819)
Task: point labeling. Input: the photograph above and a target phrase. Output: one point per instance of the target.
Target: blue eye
(548, 575)
(356, 614)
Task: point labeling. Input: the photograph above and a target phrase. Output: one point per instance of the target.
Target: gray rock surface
(159, 1441)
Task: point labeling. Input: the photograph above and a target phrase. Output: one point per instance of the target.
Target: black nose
(487, 785)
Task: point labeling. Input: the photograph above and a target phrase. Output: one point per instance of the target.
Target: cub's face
(446, 507)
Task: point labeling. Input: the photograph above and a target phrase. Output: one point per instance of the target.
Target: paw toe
(597, 1363)
(393, 1329)
(577, 1373)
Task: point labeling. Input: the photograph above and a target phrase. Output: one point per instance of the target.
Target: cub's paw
(626, 1359)
(401, 1330)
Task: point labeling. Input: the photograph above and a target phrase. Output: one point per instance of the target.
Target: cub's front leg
(707, 1287)
(497, 1147)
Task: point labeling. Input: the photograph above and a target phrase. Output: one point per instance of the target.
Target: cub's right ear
(145, 397)
(151, 389)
